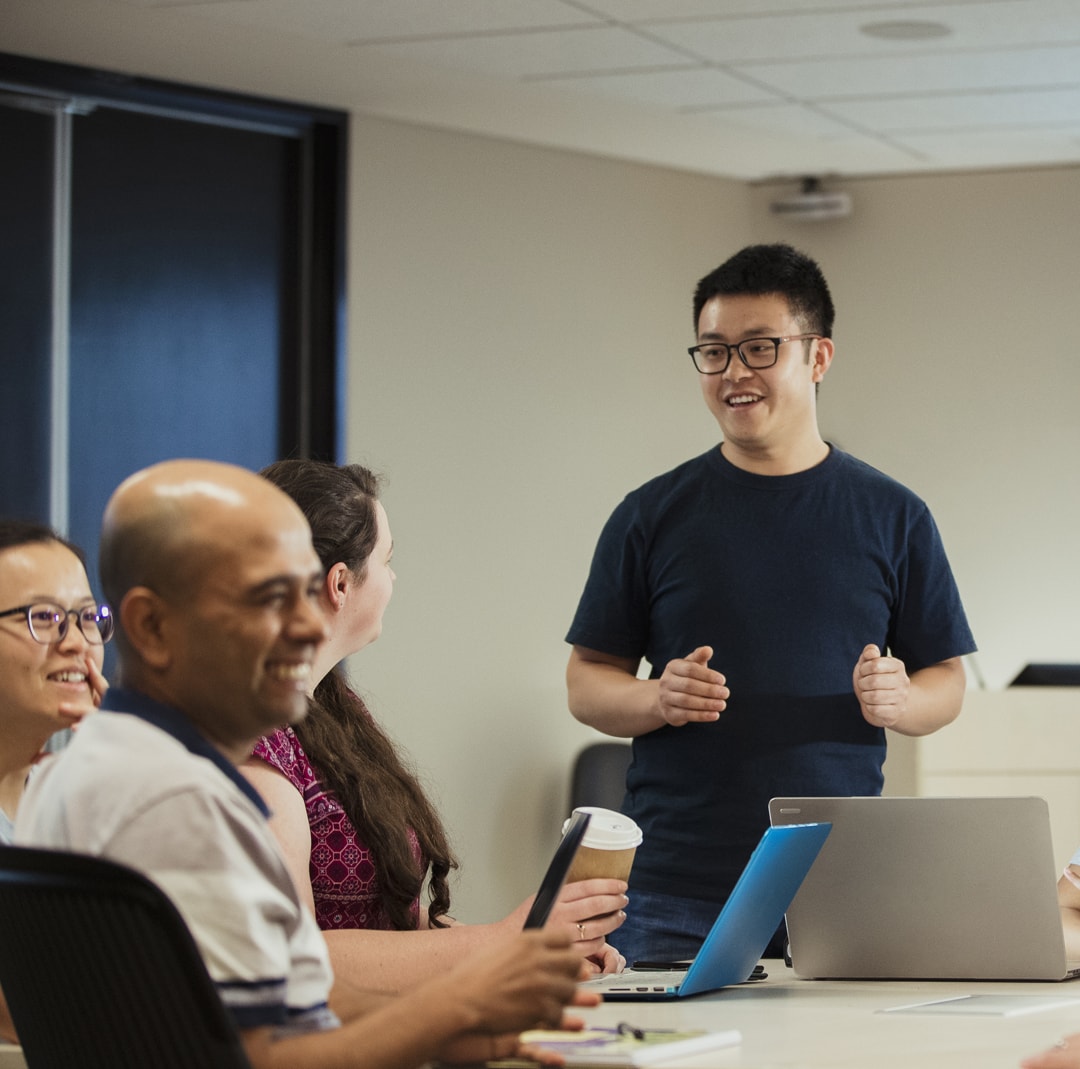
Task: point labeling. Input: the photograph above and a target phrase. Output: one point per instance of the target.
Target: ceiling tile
(1009, 148)
(922, 74)
(524, 55)
(1038, 109)
(827, 35)
(349, 21)
(792, 120)
(677, 89)
(666, 10)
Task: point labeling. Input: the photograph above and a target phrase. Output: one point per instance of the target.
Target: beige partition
(1017, 741)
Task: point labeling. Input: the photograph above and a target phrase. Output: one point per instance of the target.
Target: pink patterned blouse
(343, 876)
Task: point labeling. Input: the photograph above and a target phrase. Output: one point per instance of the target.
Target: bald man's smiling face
(227, 620)
(248, 636)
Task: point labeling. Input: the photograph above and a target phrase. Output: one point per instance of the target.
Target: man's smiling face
(765, 411)
(244, 639)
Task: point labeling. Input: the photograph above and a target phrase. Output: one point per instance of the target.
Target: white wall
(517, 321)
(956, 372)
(518, 325)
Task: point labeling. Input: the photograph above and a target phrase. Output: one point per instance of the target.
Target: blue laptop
(741, 933)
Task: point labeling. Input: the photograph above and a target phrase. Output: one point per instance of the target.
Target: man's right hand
(472, 1012)
(605, 692)
(525, 983)
(692, 692)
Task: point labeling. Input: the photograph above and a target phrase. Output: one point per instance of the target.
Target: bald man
(215, 583)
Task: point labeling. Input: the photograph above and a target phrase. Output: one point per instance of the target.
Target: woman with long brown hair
(361, 837)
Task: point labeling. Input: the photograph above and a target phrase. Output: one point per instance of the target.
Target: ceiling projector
(813, 204)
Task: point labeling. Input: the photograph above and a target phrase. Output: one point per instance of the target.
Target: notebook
(741, 932)
(927, 889)
(558, 867)
(626, 1047)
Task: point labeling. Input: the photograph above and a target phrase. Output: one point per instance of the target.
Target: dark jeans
(662, 927)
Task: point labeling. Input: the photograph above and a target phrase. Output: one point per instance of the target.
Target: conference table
(788, 1023)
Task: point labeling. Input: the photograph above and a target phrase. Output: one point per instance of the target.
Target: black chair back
(100, 970)
(599, 775)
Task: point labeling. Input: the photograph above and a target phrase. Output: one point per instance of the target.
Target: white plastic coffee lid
(607, 829)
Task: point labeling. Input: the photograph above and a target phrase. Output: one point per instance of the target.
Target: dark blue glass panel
(181, 254)
(25, 302)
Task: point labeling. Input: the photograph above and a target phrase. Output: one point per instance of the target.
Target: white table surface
(838, 1024)
(812, 1024)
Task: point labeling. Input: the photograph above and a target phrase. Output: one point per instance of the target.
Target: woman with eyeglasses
(360, 835)
(52, 636)
(52, 639)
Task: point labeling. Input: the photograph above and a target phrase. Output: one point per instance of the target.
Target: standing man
(791, 601)
(215, 582)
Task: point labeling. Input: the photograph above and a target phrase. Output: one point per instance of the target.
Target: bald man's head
(216, 581)
(162, 522)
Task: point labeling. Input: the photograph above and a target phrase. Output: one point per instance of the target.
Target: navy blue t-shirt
(787, 578)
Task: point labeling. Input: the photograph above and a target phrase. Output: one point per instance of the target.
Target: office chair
(100, 970)
(599, 775)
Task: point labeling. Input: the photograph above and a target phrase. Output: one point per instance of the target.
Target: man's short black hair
(758, 270)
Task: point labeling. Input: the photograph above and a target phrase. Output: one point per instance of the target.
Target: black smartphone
(555, 877)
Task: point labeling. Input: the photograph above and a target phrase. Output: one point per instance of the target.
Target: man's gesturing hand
(692, 692)
(881, 685)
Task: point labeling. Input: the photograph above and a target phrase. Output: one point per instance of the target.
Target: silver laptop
(927, 889)
(741, 931)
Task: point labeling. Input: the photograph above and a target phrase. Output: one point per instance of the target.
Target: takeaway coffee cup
(608, 848)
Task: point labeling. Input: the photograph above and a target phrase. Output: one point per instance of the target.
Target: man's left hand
(882, 686)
